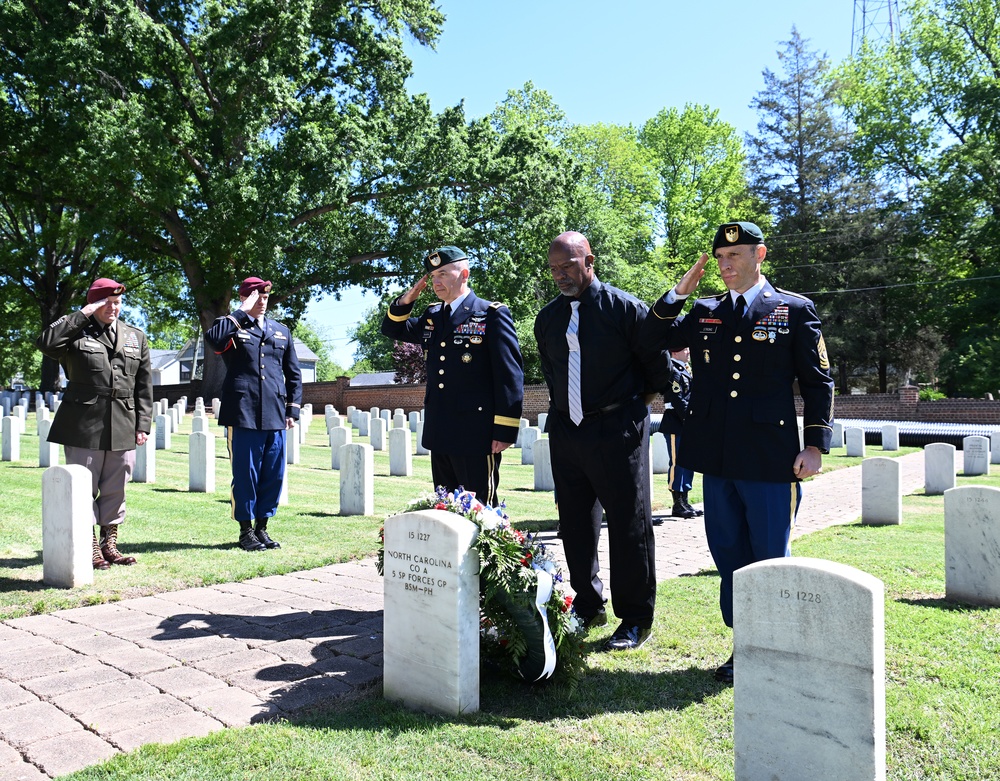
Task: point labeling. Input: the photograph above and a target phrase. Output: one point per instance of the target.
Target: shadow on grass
(14, 584)
(33, 561)
(940, 603)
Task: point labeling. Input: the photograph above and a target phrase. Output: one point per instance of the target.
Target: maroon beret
(251, 284)
(102, 288)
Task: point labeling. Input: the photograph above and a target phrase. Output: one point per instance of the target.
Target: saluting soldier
(107, 406)
(748, 348)
(475, 376)
(261, 398)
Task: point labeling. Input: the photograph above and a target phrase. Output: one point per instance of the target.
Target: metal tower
(875, 21)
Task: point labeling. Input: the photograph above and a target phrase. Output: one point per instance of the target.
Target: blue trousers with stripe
(747, 521)
(258, 460)
(681, 479)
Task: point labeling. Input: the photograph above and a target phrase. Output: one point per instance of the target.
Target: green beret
(442, 256)
(737, 233)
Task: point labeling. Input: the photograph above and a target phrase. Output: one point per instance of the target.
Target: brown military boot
(98, 557)
(109, 546)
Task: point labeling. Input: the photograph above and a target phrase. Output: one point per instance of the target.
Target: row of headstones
(809, 640)
(971, 520)
(976, 449)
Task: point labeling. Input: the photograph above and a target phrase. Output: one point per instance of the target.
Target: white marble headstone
(522, 425)
(10, 448)
(163, 432)
(881, 491)
(529, 436)
(48, 452)
(855, 442)
(400, 455)
(357, 479)
(659, 454)
(351, 410)
(890, 436)
(543, 418)
(20, 416)
(374, 412)
(67, 526)
(975, 456)
(144, 470)
(216, 404)
(542, 455)
(386, 416)
(972, 544)
(837, 439)
(364, 423)
(339, 436)
(201, 463)
(939, 468)
(293, 446)
(399, 421)
(421, 450)
(199, 424)
(809, 663)
(414, 419)
(431, 615)
(995, 447)
(378, 434)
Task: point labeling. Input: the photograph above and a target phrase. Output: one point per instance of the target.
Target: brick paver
(80, 685)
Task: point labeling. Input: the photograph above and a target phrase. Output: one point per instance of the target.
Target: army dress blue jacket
(263, 384)
(741, 421)
(475, 376)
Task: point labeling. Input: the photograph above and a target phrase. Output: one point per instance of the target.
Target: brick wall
(902, 405)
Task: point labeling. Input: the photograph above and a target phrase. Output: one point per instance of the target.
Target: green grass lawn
(656, 713)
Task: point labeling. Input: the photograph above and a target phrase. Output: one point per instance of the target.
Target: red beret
(102, 288)
(251, 284)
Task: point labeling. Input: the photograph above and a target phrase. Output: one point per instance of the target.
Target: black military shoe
(600, 618)
(265, 538)
(249, 541)
(628, 638)
(724, 672)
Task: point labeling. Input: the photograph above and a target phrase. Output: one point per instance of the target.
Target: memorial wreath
(526, 620)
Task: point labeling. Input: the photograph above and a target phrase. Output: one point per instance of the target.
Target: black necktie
(740, 308)
(447, 313)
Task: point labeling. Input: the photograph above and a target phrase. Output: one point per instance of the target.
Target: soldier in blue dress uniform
(748, 348)
(261, 397)
(475, 376)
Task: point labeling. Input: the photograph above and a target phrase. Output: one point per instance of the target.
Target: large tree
(271, 137)
(837, 232)
(927, 115)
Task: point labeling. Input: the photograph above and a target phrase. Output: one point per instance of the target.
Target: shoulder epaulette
(790, 293)
(497, 304)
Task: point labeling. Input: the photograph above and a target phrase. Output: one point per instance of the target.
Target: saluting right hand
(693, 276)
(414, 292)
(89, 309)
(250, 301)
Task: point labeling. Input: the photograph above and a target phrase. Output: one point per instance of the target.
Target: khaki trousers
(109, 470)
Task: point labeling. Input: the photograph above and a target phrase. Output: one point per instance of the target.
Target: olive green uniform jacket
(110, 393)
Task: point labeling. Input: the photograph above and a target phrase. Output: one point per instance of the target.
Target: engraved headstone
(881, 491)
(163, 432)
(809, 663)
(543, 418)
(660, 454)
(42, 414)
(201, 463)
(67, 526)
(414, 419)
(364, 423)
(972, 545)
(157, 409)
(199, 424)
(529, 436)
(939, 468)
(378, 434)
(975, 456)
(995, 447)
(339, 436)
(400, 457)
(374, 412)
(431, 614)
(350, 413)
(386, 416)
(357, 479)
(19, 415)
(837, 439)
(543, 466)
(855, 438)
(302, 430)
(144, 470)
(10, 448)
(48, 452)
(890, 436)
(293, 446)
(216, 404)
(397, 411)
(399, 421)
(421, 450)
(333, 419)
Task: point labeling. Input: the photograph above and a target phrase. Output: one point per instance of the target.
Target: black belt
(605, 410)
(111, 393)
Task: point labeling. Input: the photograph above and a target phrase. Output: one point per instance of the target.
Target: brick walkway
(78, 686)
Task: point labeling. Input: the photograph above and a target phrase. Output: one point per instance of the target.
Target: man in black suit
(475, 376)
(748, 348)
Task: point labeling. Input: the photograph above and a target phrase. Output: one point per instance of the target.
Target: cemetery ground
(656, 713)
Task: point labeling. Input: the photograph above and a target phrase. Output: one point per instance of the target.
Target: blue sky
(612, 62)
